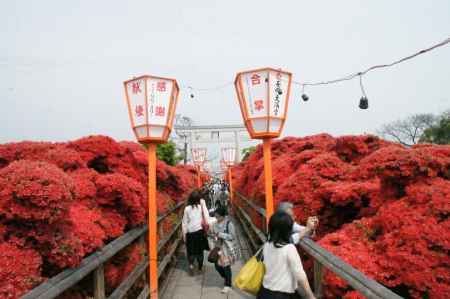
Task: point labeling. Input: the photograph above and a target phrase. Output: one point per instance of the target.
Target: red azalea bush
(383, 208)
(60, 202)
(19, 271)
(122, 265)
(34, 191)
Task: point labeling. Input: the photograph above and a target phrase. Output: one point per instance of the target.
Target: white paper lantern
(229, 155)
(151, 105)
(263, 97)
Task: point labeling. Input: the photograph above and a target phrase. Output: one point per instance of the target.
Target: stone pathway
(206, 285)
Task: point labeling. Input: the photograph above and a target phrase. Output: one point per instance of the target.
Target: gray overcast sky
(62, 63)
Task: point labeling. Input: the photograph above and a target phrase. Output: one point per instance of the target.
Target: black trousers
(269, 294)
(198, 257)
(225, 272)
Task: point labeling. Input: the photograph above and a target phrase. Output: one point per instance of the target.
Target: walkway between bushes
(208, 284)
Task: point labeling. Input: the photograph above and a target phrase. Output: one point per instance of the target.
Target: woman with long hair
(194, 235)
(284, 270)
(225, 239)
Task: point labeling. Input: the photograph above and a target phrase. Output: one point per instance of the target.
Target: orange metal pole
(230, 178)
(268, 177)
(152, 224)
(199, 183)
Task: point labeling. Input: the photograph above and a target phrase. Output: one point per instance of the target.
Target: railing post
(142, 242)
(265, 226)
(318, 274)
(99, 282)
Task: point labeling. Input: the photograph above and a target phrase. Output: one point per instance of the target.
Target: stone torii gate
(196, 135)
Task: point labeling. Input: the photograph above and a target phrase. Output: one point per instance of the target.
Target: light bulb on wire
(304, 95)
(192, 93)
(364, 101)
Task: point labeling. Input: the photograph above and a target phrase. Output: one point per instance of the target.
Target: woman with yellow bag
(278, 272)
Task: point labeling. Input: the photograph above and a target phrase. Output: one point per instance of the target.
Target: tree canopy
(246, 152)
(438, 133)
(167, 152)
(419, 128)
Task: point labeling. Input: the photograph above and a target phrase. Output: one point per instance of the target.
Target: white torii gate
(212, 134)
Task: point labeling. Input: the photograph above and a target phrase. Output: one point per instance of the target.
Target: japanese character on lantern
(259, 105)
(256, 79)
(136, 87)
(161, 86)
(139, 110)
(160, 111)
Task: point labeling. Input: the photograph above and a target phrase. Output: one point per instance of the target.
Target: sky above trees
(62, 63)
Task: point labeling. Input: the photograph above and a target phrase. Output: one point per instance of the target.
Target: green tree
(246, 152)
(438, 133)
(167, 152)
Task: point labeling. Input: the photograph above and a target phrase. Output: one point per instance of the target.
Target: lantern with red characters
(263, 96)
(151, 104)
(228, 158)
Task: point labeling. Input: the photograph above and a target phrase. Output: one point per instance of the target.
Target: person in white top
(194, 235)
(298, 231)
(284, 269)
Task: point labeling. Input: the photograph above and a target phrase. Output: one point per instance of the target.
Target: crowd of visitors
(206, 226)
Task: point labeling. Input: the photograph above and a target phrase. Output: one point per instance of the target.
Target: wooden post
(318, 273)
(152, 222)
(99, 282)
(142, 242)
(268, 177)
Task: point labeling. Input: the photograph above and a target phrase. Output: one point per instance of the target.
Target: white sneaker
(225, 290)
(191, 270)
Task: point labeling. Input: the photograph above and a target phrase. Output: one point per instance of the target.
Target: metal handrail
(359, 281)
(70, 277)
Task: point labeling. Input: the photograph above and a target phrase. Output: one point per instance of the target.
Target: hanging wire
(207, 89)
(338, 80)
(352, 76)
(362, 86)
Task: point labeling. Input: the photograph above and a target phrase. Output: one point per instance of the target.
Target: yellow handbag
(250, 277)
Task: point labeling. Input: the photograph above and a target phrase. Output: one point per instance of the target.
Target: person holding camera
(298, 231)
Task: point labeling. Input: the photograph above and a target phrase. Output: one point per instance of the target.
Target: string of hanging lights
(363, 102)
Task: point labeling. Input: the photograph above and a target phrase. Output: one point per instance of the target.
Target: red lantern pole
(264, 107)
(152, 223)
(268, 177)
(230, 179)
(152, 128)
(199, 182)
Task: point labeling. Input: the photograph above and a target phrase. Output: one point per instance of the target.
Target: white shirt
(283, 268)
(192, 218)
(296, 230)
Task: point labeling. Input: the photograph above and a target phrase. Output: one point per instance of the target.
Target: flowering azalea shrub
(383, 208)
(19, 271)
(122, 265)
(59, 202)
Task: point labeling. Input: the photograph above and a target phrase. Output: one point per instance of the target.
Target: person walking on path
(194, 234)
(225, 239)
(284, 269)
